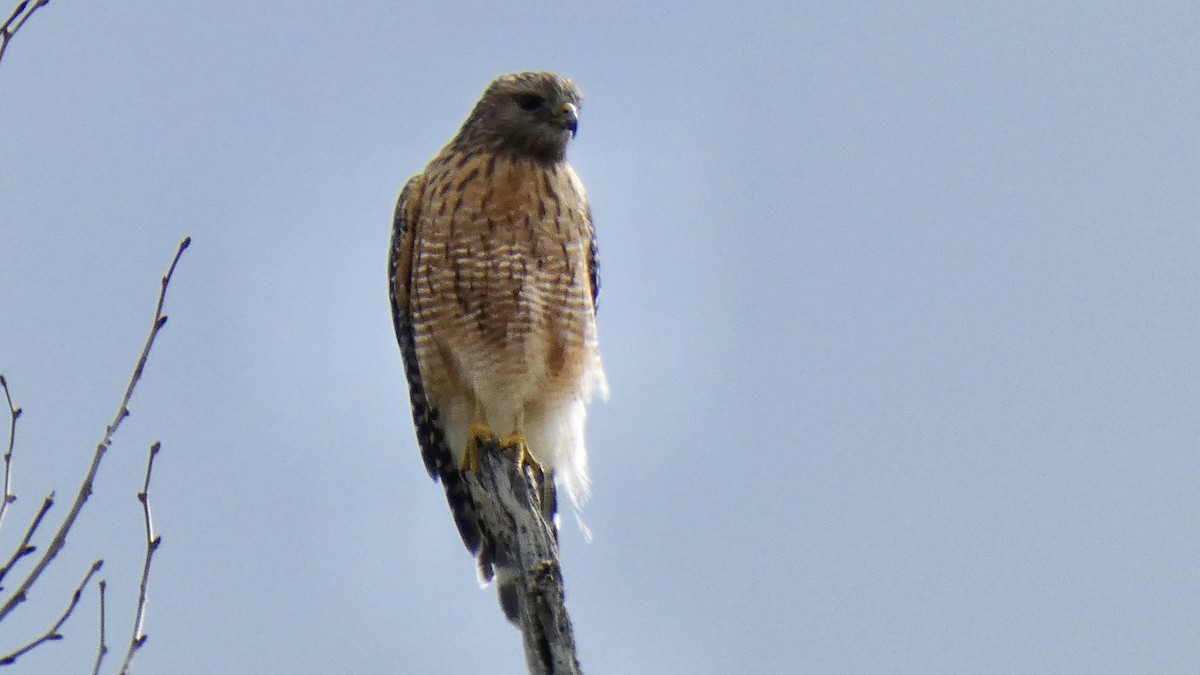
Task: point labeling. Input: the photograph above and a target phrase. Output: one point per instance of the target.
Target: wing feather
(593, 262)
(431, 437)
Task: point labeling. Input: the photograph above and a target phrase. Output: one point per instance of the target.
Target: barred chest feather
(501, 272)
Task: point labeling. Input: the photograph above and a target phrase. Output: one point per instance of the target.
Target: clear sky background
(900, 312)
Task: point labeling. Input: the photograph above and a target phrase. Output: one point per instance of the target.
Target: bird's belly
(509, 329)
(517, 340)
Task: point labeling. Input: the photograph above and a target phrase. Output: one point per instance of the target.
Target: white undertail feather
(555, 435)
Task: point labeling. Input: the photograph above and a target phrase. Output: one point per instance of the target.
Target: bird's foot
(524, 459)
(477, 435)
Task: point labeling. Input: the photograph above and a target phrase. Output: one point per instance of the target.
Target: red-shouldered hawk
(493, 277)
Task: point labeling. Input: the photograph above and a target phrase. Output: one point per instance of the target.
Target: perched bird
(493, 278)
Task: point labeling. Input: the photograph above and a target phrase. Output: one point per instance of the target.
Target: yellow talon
(517, 442)
(524, 459)
(526, 463)
(479, 433)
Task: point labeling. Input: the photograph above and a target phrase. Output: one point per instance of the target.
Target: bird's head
(531, 114)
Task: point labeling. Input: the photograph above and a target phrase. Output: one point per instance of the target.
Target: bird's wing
(593, 262)
(439, 461)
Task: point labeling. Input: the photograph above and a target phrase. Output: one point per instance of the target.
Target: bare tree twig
(53, 633)
(152, 542)
(25, 548)
(103, 647)
(515, 521)
(20, 15)
(85, 488)
(13, 414)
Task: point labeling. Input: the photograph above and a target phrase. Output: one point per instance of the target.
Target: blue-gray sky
(900, 311)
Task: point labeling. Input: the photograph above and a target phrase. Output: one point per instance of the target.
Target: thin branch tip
(14, 412)
(8, 29)
(53, 633)
(103, 648)
(59, 540)
(152, 542)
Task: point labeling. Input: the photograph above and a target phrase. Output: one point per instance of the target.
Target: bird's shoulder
(404, 222)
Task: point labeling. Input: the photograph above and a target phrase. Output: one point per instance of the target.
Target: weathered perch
(516, 523)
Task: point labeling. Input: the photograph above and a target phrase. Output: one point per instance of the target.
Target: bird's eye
(530, 101)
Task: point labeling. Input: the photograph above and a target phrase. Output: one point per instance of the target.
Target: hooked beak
(569, 117)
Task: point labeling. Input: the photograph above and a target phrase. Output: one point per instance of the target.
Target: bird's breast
(503, 252)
